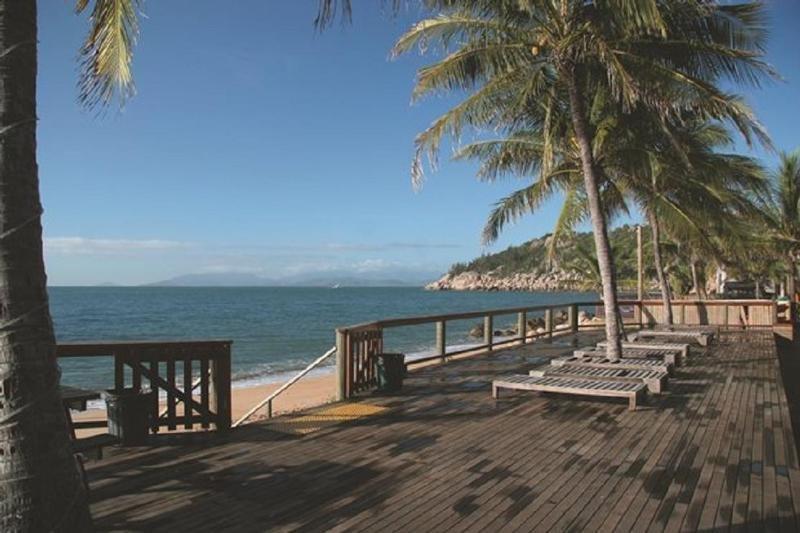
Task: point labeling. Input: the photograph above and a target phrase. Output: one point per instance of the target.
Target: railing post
(522, 326)
(726, 319)
(683, 313)
(441, 338)
(221, 399)
(548, 322)
(488, 332)
(341, 365)
(573, 318)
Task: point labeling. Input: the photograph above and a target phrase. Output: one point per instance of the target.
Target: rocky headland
(555, 280)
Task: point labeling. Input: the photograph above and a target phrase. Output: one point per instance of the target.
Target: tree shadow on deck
(789, 358)
(254, 495)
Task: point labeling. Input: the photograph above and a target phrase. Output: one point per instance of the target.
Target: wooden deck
(716, 450)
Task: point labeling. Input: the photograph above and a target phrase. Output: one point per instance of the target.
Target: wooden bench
(703, 338)
(582, 387)
(671, 357)
(605, 362)
(683, 348)
(654, 380)
(95, 444)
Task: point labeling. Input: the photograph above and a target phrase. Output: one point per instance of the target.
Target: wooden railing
(724, 313)
(357, 346)
(194, 375)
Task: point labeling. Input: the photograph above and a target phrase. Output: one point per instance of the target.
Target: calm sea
(274, 330)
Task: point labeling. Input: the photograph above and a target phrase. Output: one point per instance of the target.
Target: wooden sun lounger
(605, 362)
(703, 338)
(644, 344)
(668, 356)
(614, 389)
(654, 380)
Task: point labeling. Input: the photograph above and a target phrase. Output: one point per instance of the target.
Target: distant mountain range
(342, 279)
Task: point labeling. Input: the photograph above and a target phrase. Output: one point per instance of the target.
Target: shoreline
(311, 391)
(308, 392)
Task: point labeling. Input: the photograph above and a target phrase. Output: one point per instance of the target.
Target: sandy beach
(308, 392)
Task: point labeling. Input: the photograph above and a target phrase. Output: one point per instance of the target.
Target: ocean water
(275, 330)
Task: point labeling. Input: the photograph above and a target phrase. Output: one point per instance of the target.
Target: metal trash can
(391, 369)
(129, 415)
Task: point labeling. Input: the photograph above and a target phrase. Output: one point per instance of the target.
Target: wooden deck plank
(445, 456)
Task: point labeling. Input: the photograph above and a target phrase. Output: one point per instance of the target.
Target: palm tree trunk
(599, 227)
(662, 278)
(700, 267)
(41, 483)
(790, 279)
(695, 278)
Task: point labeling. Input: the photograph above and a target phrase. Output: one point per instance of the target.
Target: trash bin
(129, 415)
(391, 371)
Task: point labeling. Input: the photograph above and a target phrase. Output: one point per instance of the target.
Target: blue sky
(256, 145)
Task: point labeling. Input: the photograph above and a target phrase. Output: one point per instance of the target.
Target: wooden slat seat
(668, 356)
(654, 380)
(94, 443)
(701, 337)
(645, 344)
(605, 362)
(562, 385)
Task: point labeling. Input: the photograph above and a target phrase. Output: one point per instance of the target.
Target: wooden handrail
(282, 388)
(106, 348)
(426, 319)
(170, 366)
(359, 344)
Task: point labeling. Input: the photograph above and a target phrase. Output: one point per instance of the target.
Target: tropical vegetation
(527, 67)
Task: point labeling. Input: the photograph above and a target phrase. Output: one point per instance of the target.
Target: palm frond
(107, 53)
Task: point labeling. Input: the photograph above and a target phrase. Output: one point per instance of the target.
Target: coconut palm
(683, 185)
(42, 487)
(515, 56)
(783, 214)
(672, 172)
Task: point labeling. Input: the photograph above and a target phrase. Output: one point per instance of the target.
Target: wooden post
(573, 318)
(548, 322)
(683, 313)
(441, 338)
(341, 365)
(221, 381)
(488, 333)
(522, 326)
(640, 276)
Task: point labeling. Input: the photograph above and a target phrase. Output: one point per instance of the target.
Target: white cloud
(231, 269)
(374, 265)
(86, 246)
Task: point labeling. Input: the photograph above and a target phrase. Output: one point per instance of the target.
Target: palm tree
(42, 486)
(512, 57)
(683, 185)
(783, 210)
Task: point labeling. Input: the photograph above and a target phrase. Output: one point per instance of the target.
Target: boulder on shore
(554, 280)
